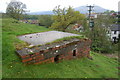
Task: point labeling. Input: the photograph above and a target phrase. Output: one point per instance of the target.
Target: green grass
(0, 48)
(100, 67)
(11, 30)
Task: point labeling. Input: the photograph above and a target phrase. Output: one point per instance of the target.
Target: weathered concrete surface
(44, 37)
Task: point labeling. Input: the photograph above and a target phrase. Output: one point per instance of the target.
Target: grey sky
(45, 5)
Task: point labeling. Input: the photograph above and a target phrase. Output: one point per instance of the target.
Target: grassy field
(0, 48)
(100, 67)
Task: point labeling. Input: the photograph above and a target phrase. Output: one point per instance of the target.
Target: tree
(45, 20)
(15, 9)
(64, 17)
(100, 40)
(108, 11)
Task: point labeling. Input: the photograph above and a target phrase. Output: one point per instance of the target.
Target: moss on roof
(67, 38)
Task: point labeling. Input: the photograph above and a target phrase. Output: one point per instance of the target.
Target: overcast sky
(45, 5)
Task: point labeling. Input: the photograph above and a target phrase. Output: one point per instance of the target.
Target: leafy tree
(31, 16)
(104, 20)
(64, 17)
(118, 20)
(46, 20)
(15, 9)
(100, 40)
(109, 11)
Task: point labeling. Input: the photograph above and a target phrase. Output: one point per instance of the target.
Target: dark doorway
(74, 52)
(56, 59)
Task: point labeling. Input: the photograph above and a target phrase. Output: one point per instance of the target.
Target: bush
(100, 41)
(45, 20)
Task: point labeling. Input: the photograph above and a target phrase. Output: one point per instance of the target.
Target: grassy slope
(0, 48)
(100, 67)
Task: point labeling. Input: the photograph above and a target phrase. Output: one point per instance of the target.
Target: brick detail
(50, 60)
(26, 56)
(39, 58)
(25, 60)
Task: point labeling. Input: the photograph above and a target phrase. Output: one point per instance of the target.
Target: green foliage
(15, 9)
(4, 15)
(64, 17)
(105, 20)
(1, 47)
(100, 40)
(109, 11)
(86, 28)
(45, 20)
(31, 16)
(118, 19)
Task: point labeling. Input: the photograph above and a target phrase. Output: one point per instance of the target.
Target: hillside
(84, 9)
(81, 9)
(100, 67)
(41, 13)
(0, 47)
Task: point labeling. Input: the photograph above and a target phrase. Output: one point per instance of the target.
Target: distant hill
(82, 9)
(42, 13)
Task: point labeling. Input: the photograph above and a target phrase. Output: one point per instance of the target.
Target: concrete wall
(65, 52)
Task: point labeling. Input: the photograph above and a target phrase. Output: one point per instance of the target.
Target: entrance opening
(56, 59)
(74, 52)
